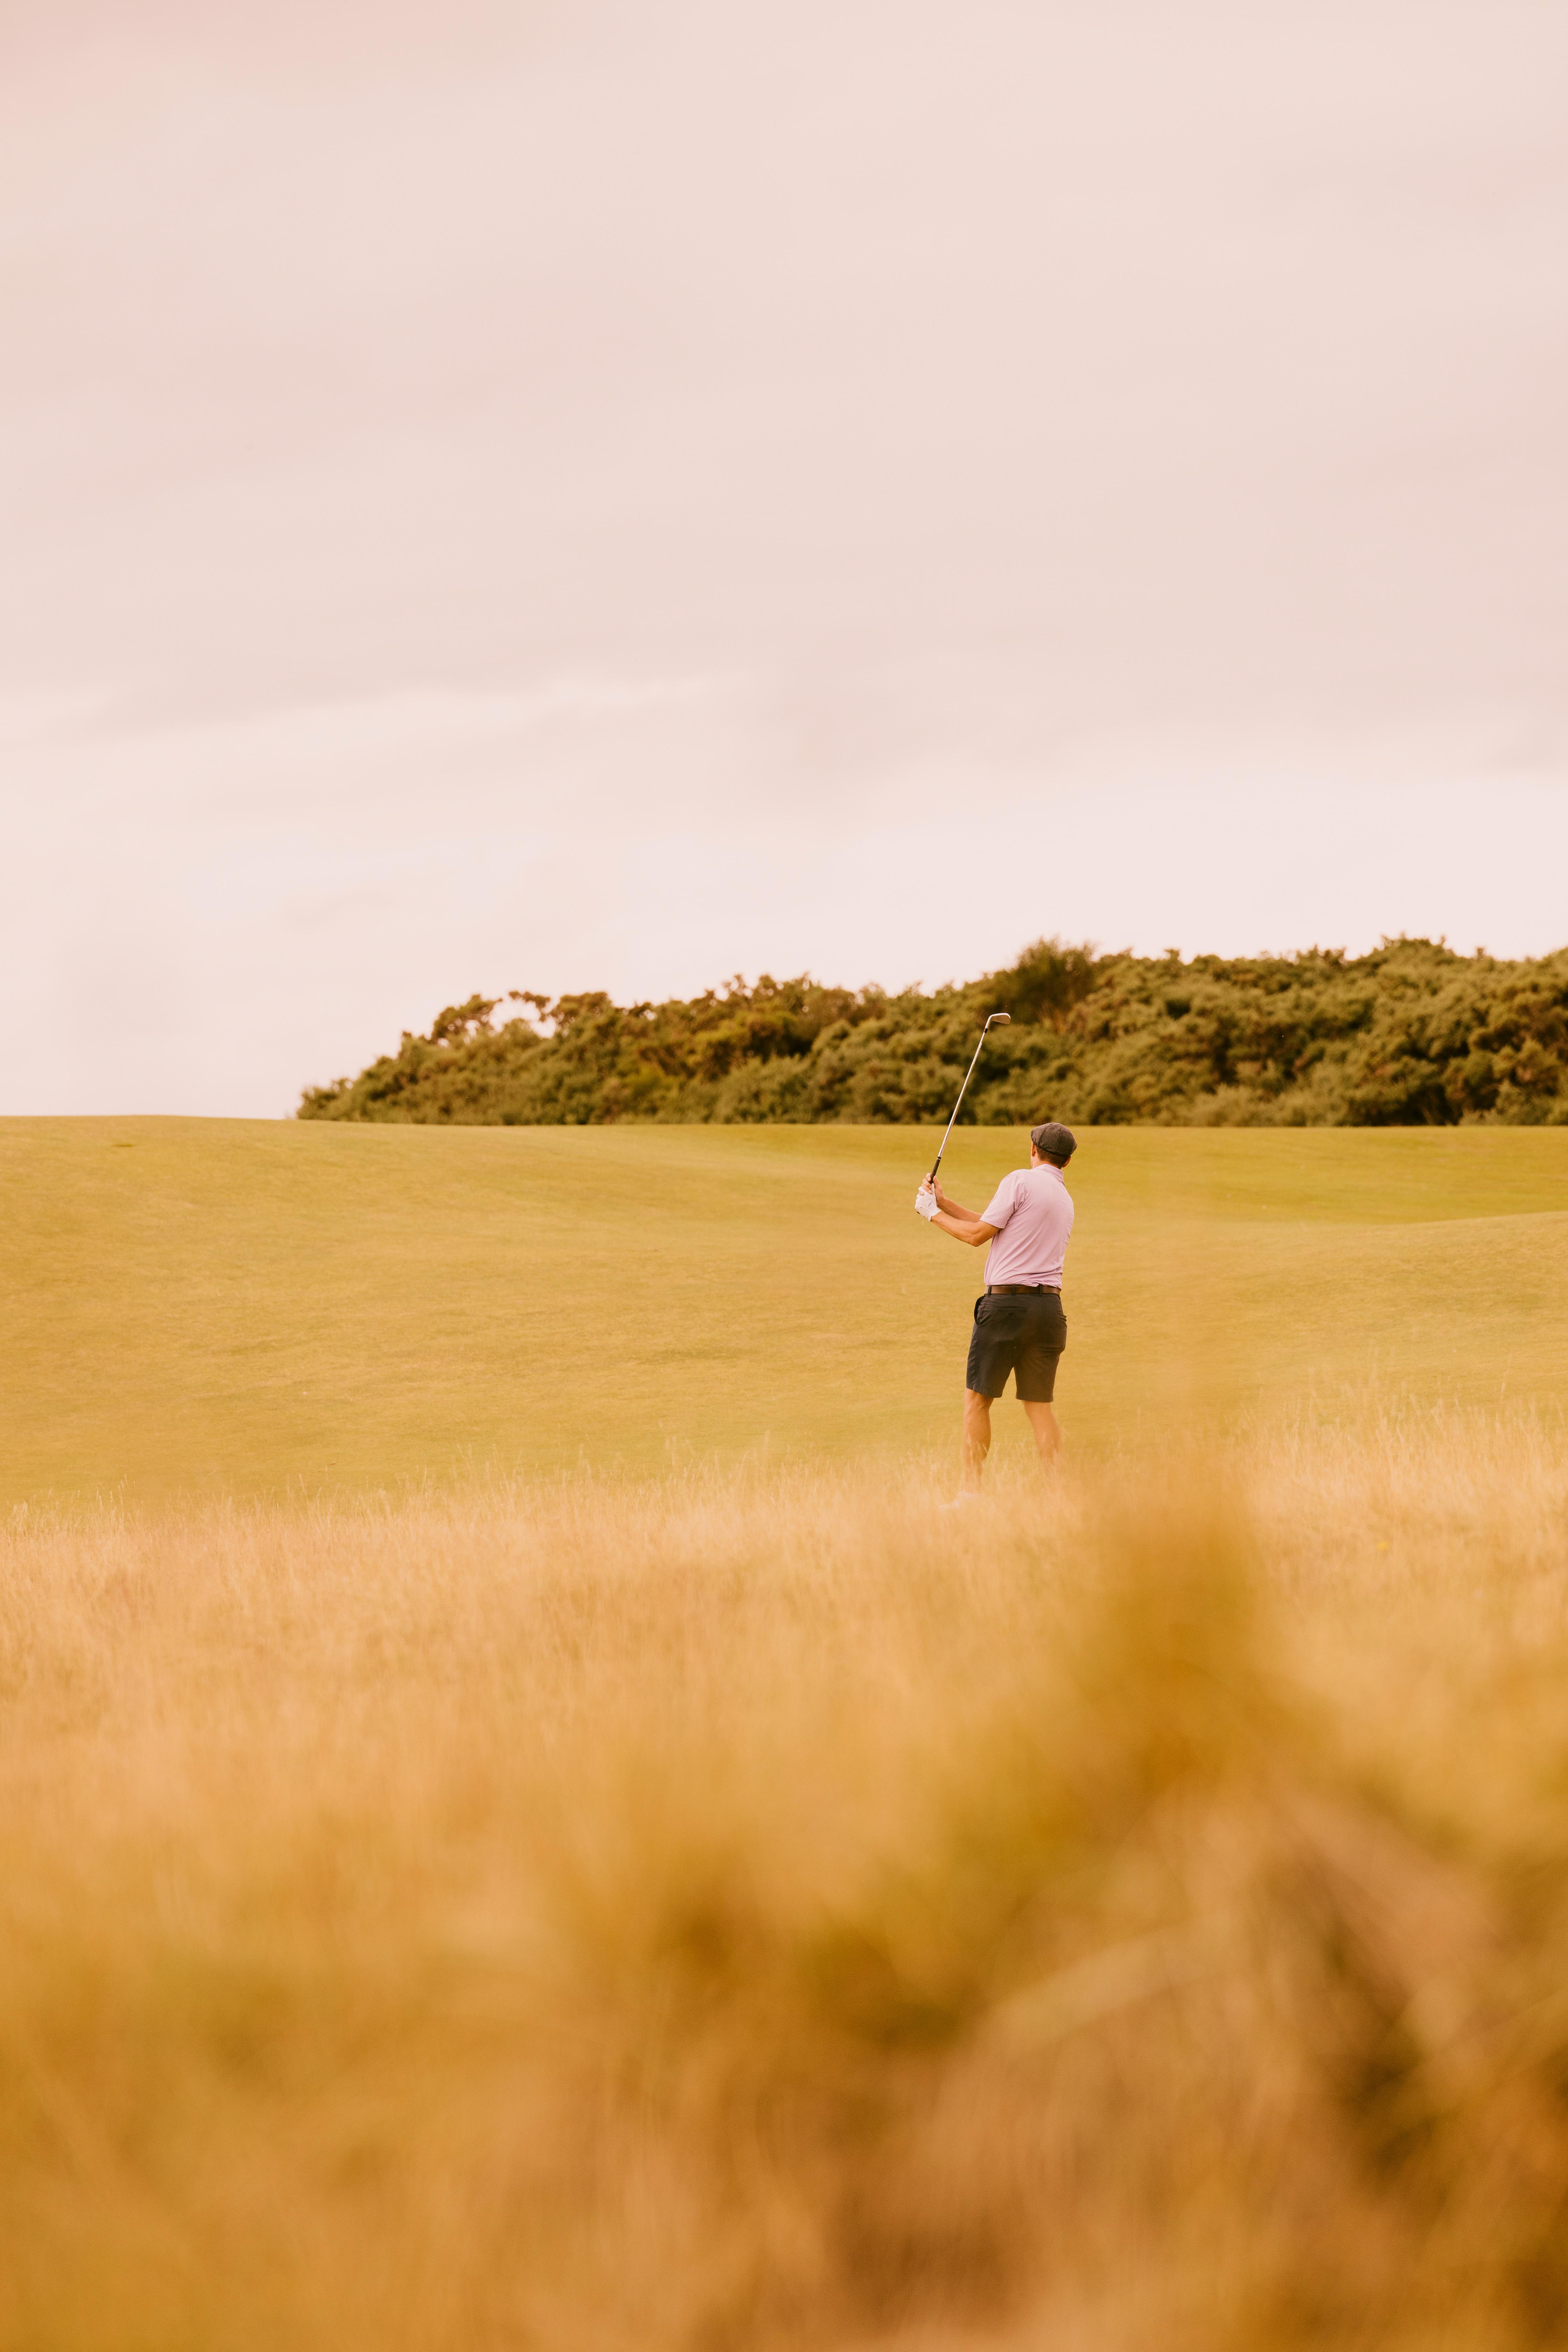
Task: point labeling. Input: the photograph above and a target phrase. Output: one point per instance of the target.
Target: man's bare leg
(976, 1438)
(1047, 1434)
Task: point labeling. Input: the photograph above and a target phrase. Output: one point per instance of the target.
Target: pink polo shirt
(1033, 1216)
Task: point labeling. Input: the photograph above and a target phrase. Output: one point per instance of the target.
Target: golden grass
(761, 1909)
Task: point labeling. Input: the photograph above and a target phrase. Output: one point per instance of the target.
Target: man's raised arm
(951, 1208)
(962, 1223)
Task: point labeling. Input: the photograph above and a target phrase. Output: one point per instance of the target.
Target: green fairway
(259, 1307)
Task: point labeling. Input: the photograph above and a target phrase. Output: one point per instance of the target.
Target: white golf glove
(925, 1200)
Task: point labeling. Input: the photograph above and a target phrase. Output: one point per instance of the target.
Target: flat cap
(1054, 1141)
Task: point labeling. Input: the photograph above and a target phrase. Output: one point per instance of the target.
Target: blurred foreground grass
(271, 1308)
(756, 1909)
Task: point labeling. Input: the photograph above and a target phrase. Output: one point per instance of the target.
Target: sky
(559, 495)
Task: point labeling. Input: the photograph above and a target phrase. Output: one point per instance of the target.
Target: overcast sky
(560, 495)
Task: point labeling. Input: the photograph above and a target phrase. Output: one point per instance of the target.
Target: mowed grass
(269, 1309)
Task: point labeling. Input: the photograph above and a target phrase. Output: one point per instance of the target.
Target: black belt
(1022, 1290)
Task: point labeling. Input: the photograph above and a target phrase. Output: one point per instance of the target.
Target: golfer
(1019, 1326)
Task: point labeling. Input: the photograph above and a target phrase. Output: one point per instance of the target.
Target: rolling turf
(271, 1308)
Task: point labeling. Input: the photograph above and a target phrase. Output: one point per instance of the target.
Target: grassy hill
(266, 1309)
(749, 1906)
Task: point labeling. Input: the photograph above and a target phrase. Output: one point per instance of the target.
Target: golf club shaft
(936, 1163)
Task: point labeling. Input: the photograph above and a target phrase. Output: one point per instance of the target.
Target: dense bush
(1409, 1035)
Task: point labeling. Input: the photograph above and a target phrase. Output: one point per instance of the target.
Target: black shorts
(1019, 1331)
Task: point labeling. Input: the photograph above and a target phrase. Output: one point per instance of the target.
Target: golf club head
(999, 1020)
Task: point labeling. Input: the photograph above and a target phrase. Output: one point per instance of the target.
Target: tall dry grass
(768, 1911)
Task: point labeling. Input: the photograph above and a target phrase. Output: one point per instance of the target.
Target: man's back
(1032, 1213)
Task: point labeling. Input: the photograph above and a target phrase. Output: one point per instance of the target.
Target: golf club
(996, 1021)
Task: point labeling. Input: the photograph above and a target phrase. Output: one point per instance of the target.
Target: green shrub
(1411, 1034)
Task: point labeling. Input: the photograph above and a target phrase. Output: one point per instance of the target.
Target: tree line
(1410, 1035)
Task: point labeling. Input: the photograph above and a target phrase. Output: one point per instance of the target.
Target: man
(1019, 1326)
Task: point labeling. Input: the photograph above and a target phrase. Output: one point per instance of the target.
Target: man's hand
(926, 1201)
